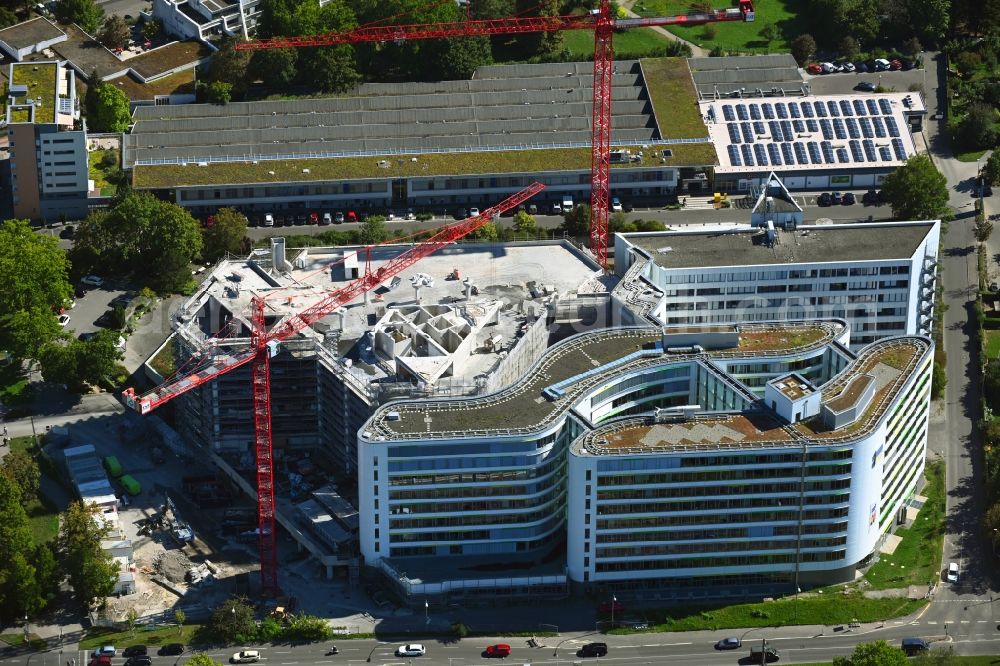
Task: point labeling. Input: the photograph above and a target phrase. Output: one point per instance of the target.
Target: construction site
(466, 320)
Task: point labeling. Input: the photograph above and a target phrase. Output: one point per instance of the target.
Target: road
(797, 645)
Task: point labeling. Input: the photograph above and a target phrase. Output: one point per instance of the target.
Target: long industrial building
(660, 461)
(448, 144)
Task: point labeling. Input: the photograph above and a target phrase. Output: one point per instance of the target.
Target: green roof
(433, 164)
(42, 85)
(674, 98)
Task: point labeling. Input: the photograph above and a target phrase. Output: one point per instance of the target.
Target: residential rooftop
(29, 33)
(807, 244)
(569, 369)
(42, 83)
(892, 361)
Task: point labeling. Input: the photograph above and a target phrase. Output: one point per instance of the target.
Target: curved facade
(639, 457)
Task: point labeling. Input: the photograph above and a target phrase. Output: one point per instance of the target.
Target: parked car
(824, 199)
(124, 300)
(616, 204)
(848, 67)
(63, 320)
(860, 67)
(952, 573)
(827, 67)
(895, 65)
(92, 280)
(141, 660)
(849, 199)
(729, 643)
(994, 287)
(766, 653)
(390, 215)
(301, 220)
(473, 212)
(461, 214)
(245, 657)
(314, 218)
(500, 650)
(327, 219)
(881, 64)
(105, 651)
(100, 661)
(79, 292)
(865, 86)
(594, 650)
(338, 217)
(411, 214)
(912, 646)
(836, 198)
(352, 216)
(171, 649)
(135, 651)
(411, 650)
(814, 69)
(627, 206)
(870, 198)
(557, 209)
(83, 337)
(68, 231)
(268, 220)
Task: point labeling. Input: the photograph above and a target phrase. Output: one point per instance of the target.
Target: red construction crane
(601, 20)
(262, 346)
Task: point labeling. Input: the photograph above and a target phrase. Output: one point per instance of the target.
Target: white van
(269, 220)
(567, 204)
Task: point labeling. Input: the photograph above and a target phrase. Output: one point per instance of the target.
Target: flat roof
(814, 133)
(890, 358)
(807, 244)
(793, 386)
(30, 33)
(753, 76)
(41, 79)
(525, 406)
(506, 119)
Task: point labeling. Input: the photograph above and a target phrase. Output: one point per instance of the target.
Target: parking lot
(844, 83)
(90, 307)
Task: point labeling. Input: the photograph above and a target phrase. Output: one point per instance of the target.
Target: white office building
(724, 458)
(879, 277)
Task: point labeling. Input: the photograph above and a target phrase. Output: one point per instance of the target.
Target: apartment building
(724, 458)
(880, 277)
(48, 157)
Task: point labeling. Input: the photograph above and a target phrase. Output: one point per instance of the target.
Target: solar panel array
(813, 132)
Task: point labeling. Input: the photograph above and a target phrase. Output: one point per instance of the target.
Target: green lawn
(674, 99)
(629, 43)
(99, 173)
(14, 388)
(955, 659)
(42, 518)
(917, 560)
(992, 344)
(735, 36)
(16, 639)
(825, 609)
(164, 362)
(971, 156)
(187, 634)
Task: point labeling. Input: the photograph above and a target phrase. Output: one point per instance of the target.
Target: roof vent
(306, 171)
(392, 416)
(203, 164)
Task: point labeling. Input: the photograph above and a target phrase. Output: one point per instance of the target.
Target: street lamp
(614, 600)
(427, 615)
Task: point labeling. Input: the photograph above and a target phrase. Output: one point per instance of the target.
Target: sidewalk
(696, 51)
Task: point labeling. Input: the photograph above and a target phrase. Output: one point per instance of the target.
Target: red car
(607, 606)
(814, 69)
(352, 216)
(895, 65)
(500, 650)
(314, 218)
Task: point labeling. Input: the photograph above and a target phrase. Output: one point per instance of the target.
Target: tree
(983, 228)
(233, 622)
(215, 92)
(225, 234)
(618, 223)
(131, 617)
(461, 56)
(917, 191)
(151, 28)
(115, 33)
(849, 47)
(524, 222)
(7, 18)
(94, 82)
(991, 172)
(929, 19)
(913, 47)
(803, 48)
(576, 222)
(488, 232)
(229, 66)
(92, 572)
(36, 284)
(770, 32)
(112, 112)
(305, 627)
(877, 653)
(179, 617)
(202, 659)
(140, 235)
(15, 541)
(85, 13)
(77, 363)
(373, 230)
(976, 131)
(22, 469)
(276, 67)
(331, 69)
(47, 571)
